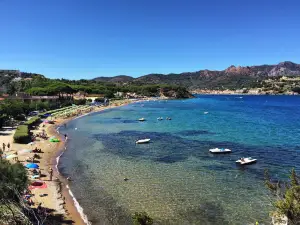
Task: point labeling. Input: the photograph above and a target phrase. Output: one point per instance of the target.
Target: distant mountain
(233, 77)
(116, 79)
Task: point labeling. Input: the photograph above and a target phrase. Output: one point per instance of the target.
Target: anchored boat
(143, 141)
(246, 161)
(219, 150)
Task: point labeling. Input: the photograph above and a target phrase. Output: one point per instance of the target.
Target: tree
(296, 89)
(13, 180)
(142, 218)
(288, 196)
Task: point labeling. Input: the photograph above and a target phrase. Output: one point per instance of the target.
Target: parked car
(33, 113)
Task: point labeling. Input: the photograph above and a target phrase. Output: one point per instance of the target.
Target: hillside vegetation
(265, 77)
(231, 78)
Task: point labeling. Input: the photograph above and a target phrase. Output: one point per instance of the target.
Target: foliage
(22, 134)
(99, 99)
(142, 218)
(79, 101)
(13, 109)
(288, 196)
(296, 89)
(32, 121)
(13, 180)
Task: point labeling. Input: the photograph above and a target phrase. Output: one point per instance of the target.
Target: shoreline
(72, 208)
(254, 93)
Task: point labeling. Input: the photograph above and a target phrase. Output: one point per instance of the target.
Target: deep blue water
(174, 178)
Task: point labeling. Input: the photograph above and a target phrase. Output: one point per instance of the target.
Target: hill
(234, 77)
(116, 79)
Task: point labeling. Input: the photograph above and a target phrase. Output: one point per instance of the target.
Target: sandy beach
(56, 196)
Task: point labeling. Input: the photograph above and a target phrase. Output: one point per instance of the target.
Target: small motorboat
(219, 150)
(245, 161)
(142, 119)
(160, 118)
(168, 118)
(205, 113)
(143, 141)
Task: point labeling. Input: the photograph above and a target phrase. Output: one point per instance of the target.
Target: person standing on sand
(50, 173)
(8, 146)
(3, 147)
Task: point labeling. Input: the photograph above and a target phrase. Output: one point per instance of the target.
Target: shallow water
(174, 178)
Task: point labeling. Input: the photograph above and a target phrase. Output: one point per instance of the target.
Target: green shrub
(142, 218)
(13, 180)
(99, 100)
(22, 135)
(79, 101)
(296, 89)
(32, 121)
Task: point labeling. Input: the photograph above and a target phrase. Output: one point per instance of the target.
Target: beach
(174, 178)
(56, 197)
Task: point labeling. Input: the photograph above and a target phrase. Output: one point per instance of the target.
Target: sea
(174, 178)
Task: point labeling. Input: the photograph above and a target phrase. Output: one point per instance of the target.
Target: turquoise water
(174, 178)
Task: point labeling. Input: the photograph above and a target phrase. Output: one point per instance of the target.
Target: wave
(76, 204)
(79, 208)
(57, 161)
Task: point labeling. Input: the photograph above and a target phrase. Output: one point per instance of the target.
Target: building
(29, 98)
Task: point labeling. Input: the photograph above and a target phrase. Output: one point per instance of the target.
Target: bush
(13, 180)
(79, 101)
(22, 135)
(99, 99)
(296, 89)
(142, 218)
(288, 196)
(32, 121)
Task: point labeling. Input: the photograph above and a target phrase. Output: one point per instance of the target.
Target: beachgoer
(8, 145)
(39, 208)
(3, 147)
(50, 173)
(66, 136)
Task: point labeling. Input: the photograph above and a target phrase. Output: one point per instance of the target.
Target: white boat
(143, 141)
(142, 119)
(160, 118)
(219, 150)
(205, 113)
(168, 118)
(245, 161)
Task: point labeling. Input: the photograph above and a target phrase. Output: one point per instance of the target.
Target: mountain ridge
(231, 77)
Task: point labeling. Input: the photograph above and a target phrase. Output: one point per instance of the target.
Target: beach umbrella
(32, 166)
(11, 156)
(23, 151)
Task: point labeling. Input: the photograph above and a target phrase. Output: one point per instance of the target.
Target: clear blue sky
(88, 38)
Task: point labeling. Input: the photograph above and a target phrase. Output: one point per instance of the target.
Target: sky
(83, 39)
